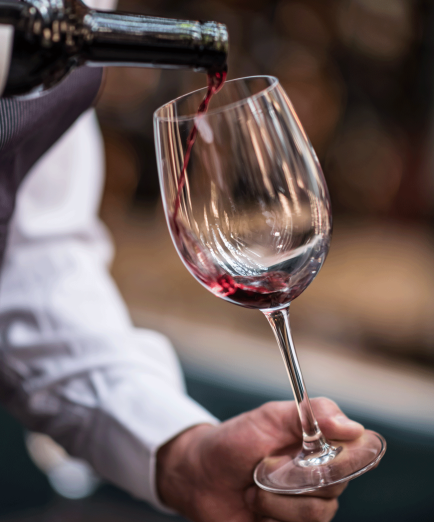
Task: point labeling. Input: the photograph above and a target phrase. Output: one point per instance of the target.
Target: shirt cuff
(124, 450)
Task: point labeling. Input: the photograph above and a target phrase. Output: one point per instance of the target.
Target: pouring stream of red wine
(215, 81)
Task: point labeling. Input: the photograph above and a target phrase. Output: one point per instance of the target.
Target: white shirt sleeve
(72, 364)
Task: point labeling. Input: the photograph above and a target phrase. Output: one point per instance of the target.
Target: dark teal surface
(22, 485)
(399, 490)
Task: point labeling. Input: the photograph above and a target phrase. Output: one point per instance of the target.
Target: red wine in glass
(271, 289)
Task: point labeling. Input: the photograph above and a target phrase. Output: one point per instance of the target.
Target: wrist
(179, 468)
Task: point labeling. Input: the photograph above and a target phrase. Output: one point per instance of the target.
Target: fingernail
(250, 496)
(345, 421)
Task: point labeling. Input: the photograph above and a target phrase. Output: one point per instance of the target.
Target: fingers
(334, 424)
(329, 492)
(287, 508)
(276, 425)
(279, 422)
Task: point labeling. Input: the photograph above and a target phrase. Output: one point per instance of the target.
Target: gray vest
(28, 128)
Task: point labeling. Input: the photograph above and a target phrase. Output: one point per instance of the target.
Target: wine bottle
(41, 41)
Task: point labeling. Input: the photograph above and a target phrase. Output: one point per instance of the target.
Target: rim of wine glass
(273, 85)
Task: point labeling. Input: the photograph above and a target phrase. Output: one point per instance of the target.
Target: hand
(206, 472)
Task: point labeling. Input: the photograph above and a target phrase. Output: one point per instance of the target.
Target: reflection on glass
(253, 225)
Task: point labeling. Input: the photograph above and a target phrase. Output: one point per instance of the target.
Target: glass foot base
(300, 473)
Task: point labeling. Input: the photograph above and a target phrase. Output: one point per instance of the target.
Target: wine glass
(252, 223)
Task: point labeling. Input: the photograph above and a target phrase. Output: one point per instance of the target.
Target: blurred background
(360, 74)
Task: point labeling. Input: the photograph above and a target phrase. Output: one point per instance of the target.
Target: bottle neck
(114, 38)
(43, 40)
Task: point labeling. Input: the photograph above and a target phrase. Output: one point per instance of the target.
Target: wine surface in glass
(274, 287)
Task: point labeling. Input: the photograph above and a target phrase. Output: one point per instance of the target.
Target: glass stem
(313, 439)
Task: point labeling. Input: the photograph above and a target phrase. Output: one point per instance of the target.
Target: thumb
(334, 424)
(278, 423)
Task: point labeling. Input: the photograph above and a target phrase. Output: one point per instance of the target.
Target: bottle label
(6, 41)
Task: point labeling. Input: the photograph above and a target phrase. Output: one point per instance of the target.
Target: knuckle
(334, 506)
(270, 407)
(324, 402)
(334, 491)
(342, 488)
(310, 512)
(261, 501)
(319, 511)
(270, 412)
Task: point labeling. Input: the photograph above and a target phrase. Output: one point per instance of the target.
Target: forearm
(74, 367)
